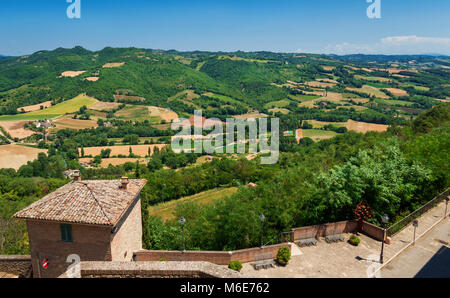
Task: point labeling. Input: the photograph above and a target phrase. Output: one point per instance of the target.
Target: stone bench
(309, 240)
(334, 236)
(264, 261)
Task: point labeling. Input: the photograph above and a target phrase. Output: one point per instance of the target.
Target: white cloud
(392, 45)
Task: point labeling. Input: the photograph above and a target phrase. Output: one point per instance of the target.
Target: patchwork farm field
(69, 123)
(139, 150)
(166, 210)
(15, 156)
(373, 91)
(106, 162)
(36, 107)
(104, 106)
(163, 114)
(16, 129)
(66, 107)
(318, 135)
(356, 126)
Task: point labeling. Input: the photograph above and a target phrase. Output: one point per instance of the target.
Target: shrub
(235, 265)
(163, 260)
(354, 240)
(284, 255)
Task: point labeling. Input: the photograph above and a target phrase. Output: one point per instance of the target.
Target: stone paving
(7, 275)
(344, 260)
(429, 257)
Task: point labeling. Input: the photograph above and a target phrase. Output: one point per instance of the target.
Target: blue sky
(319, 26)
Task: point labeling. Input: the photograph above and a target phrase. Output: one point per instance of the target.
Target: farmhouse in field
(45, 124)
(96, 220)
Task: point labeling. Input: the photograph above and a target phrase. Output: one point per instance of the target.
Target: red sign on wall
(45, 264)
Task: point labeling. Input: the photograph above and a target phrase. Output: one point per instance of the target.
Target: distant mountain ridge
(229, 83)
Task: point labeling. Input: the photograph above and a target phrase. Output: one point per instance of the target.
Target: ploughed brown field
(128, 97)
(69, 123)
(140, 150)
(16, 129)
(320, 84)
(162, 113)
(92, 79)
(114, 161)
(36, 107)
(397, 92)
(15, 156)
(113, 65)
(104, 106)
(357, 126)
(72, 74)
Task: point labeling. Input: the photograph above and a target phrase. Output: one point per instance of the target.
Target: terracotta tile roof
(97, 202)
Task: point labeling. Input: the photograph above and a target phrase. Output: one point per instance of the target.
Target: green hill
(221, 84)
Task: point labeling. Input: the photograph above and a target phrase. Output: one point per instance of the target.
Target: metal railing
(400, 225)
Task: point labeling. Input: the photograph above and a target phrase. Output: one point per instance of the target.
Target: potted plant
(235, 265)
(283, 255)
(354, 240)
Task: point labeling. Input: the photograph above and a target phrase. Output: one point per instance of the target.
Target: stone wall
(155, 270)
(16, 265)
(215, 257)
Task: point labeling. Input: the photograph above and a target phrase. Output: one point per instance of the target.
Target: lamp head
(385, 218)
(182, 221)
(262, 217)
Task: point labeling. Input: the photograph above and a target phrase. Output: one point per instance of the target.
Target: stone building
(96, 220)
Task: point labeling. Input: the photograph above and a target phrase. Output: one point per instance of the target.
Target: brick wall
(372, 231)
(321, 230)
(128, 238)
(215, 257)
(16, 265)
(91, 243)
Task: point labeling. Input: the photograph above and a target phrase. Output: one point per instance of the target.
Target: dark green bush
(284, 255)
(235, 265)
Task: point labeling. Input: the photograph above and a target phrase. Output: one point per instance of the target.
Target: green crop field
(277, 104)
(66, 107)
(394, 102)
(318, 134)
(166, 210)
(304, 97)
(379, 85)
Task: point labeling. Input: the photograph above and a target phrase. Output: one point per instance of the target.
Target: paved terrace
(428, 258)
(344, 260)
(7, 275)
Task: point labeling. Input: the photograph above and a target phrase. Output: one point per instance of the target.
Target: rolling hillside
(293, 87)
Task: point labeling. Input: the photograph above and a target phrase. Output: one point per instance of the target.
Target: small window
(66, 233)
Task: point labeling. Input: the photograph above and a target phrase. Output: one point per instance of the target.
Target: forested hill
(238, 82)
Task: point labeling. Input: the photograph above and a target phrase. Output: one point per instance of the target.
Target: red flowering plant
(362, 212)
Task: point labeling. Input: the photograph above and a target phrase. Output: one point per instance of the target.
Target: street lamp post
(446, 205)
(182, 222)
(385, 220)
(416, 225)
(262, 218)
